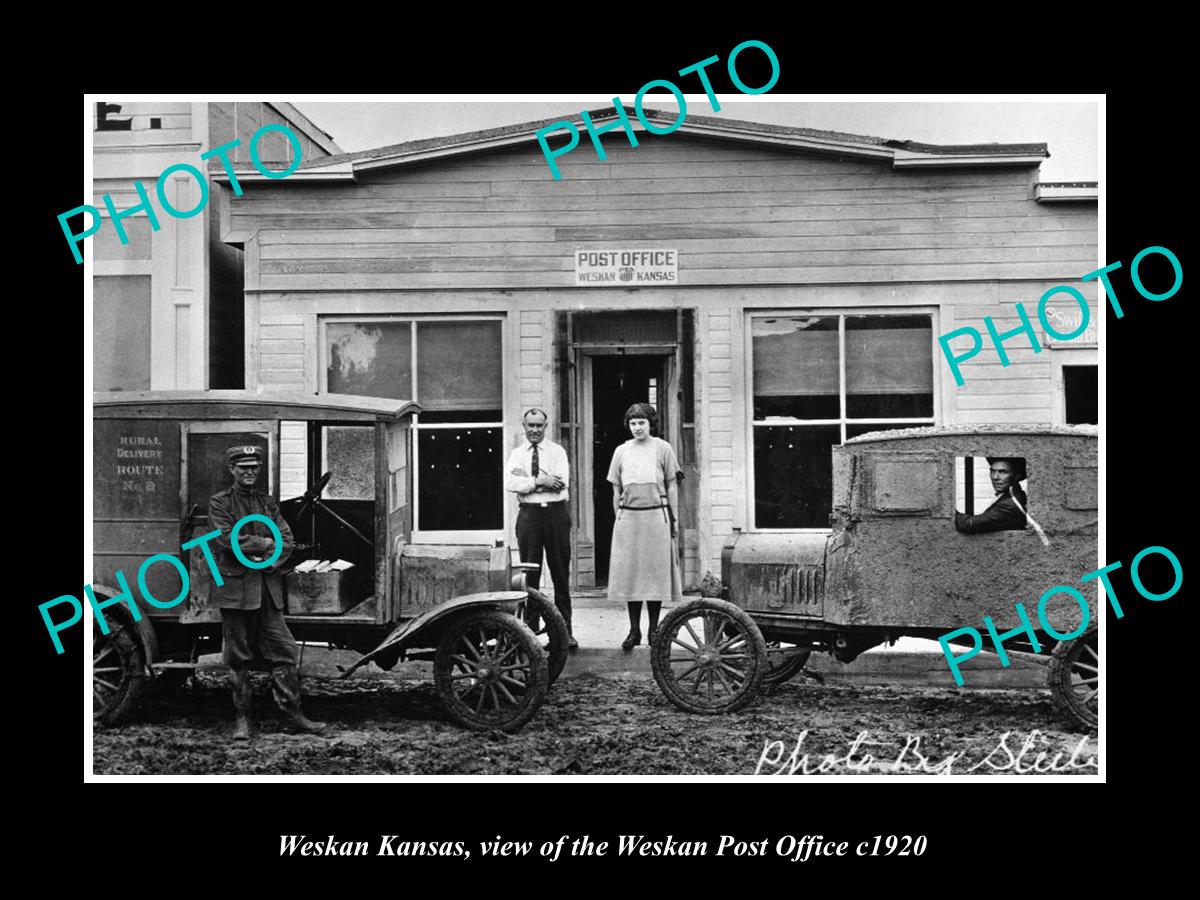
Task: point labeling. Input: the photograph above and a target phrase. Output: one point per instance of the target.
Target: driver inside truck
(1007, 512)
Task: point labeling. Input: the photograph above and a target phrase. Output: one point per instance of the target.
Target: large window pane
(460, 481)
(458, 365)
(371, 358)
(793, 475)
(889, 367)
(458, 381)
(121, 333)
(796, 367)
(350, 458)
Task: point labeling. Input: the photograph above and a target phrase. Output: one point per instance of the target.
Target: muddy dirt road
(603, 726)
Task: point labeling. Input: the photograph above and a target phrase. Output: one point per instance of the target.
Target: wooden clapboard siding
(1023, 228)
(511, 278)
(1022, 391)
(737, 214)
(367, 202)
(411, 262)
(317, 217)
(895, 242)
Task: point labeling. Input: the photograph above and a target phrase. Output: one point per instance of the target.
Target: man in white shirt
(538, 473)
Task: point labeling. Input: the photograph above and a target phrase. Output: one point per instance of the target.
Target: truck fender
(407, 633)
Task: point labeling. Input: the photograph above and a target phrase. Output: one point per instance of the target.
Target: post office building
(772, 290)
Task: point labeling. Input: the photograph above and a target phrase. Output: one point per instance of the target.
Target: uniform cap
(244, 453)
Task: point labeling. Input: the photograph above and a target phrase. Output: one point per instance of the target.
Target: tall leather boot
(572, 644)
(285, 682)
(239, 682)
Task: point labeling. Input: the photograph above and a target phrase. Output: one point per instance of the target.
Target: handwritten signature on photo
(1034, 754)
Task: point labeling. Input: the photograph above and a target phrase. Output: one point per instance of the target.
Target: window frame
(1060, 357)
(455, 536)
(842, 313)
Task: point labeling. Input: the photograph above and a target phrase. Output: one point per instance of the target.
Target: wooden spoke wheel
(1075, 678)
(118, 671)
(784, 662)
(548, 626)
(490, 671)
(708, 657)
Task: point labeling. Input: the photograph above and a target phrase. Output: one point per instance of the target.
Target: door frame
(584, 529)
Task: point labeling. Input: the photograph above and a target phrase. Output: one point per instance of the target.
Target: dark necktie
(534, 468)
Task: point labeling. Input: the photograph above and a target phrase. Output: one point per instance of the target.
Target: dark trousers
(548, 528)
(261, 633)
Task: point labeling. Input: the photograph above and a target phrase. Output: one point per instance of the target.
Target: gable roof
(903, 154)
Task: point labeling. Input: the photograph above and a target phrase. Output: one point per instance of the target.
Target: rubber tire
(788, 669)
(554, 626)
(1062, 683)
(494, 624)
(122, 646)
(735, 618)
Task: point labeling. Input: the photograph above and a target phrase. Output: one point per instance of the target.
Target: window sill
(486, 538)
(788, 531)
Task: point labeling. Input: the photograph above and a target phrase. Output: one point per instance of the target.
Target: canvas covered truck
(894, 565)
(355, 579)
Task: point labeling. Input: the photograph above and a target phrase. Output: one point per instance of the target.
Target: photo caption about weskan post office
(791, 847)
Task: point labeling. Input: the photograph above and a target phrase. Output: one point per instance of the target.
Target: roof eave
(902, 154)
(225, 404)
(343, 171)
(402, 158)
(798, 142)
(909, 159)
(901, 158)
(1067, 192)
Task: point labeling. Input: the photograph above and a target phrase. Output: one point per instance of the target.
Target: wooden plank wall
(755, 229)
(993, 392)
(738, 215)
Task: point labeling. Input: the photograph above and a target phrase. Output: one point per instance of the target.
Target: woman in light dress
(644, 566)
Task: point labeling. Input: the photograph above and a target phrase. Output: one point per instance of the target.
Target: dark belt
(547, 504)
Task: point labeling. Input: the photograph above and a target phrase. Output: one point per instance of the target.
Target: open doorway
(618, 381)
(608, 360)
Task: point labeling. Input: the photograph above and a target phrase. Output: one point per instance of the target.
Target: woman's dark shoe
(631, 640)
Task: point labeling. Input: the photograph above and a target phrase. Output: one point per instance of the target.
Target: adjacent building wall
(171, 317)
